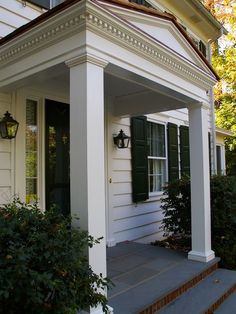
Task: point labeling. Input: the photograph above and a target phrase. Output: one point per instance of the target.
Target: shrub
(176, 205)
(177, 214)
(43, 263)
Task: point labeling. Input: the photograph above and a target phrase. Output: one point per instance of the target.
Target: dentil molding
(89, 15)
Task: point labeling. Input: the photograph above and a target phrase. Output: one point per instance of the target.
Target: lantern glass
(8, 126)
(121, 140)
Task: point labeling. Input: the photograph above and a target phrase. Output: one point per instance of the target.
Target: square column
(87, 173)
(200, 184)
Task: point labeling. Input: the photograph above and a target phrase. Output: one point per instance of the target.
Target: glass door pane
(57, 156)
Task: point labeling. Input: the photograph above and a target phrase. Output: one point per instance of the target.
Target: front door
(57, 155)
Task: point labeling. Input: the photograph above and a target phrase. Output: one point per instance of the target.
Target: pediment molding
(89, 15)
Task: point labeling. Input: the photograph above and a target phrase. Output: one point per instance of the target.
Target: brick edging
(178, 291)
(216, 304)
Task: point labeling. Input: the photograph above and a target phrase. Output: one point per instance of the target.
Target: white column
(200, 184)
(87, 176)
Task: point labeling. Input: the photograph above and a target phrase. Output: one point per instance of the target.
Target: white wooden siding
(6, 167)
(139, 222)
(13, 14)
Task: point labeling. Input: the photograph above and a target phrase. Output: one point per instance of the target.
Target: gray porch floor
(144, 273)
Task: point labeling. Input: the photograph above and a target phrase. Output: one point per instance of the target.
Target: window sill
(155, 196)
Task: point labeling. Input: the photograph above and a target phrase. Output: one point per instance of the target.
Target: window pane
(42, 3)
(31, 157)
(156, 174)
(218, 159)
(156, 140)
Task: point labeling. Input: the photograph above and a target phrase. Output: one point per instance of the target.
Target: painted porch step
(155, 292)
(228, 306)
(205, 296)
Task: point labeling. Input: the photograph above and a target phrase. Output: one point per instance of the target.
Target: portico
(107, 65)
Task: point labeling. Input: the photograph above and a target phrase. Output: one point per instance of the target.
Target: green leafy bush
(177, 214)
(43, 263)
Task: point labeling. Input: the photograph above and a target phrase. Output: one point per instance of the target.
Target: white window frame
(158, 193)
(222, 157)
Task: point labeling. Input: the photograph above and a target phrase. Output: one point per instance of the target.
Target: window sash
(31, 150)
(156, 174)
(156, 139)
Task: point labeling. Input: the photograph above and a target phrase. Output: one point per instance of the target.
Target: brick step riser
(216, 304)
(179, 291)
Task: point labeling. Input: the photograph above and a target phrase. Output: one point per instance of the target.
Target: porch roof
(123, 3)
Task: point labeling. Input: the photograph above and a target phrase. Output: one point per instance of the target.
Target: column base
(200, 256)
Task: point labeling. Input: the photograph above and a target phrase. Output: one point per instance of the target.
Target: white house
(79, 73)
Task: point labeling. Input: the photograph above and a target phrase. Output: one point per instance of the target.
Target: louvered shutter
(139, 158)
(173, 159)
(184, 150)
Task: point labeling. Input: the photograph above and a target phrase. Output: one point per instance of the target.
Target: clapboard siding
(121, 176)
(138, 233)
(5, 195)
(15, 14)
(121, 212)
(140, 222)
(130, 221)
(6, 168)
(5, 178)
(5, 160)
(122, 188)
(137, 221)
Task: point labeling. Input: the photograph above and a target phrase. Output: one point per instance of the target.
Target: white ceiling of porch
(131, 93)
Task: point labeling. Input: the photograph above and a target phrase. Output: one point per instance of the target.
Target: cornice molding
(128, 37)
(89, 15)
(40, 38)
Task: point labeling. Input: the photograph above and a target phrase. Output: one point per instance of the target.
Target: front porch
(148, 277)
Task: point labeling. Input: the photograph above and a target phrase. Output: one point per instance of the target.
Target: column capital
(86, 57)
(198, 105)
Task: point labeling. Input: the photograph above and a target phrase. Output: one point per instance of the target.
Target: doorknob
(110, 180)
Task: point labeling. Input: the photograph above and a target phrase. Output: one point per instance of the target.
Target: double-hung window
(156, 142)
(149, 158)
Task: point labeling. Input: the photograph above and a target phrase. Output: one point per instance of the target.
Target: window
(141, 2)
(220, 169)
(55, 2)
(31, 151)
(156, 141)
(42, 3)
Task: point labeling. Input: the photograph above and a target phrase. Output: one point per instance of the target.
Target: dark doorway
(57, 155)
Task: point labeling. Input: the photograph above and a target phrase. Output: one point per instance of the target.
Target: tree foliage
(224, 61)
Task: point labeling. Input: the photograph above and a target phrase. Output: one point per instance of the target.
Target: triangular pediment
(165, 33)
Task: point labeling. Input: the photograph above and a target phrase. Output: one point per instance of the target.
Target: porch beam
(200, 184)
(87, 176)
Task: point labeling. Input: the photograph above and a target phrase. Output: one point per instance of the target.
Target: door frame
(21, 96)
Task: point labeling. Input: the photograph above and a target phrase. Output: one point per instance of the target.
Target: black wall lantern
(121, 140)
(8, 126)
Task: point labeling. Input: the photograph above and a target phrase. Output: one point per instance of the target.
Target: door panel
(57, 155)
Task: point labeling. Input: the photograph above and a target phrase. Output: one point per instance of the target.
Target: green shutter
(139, 158)
(184, 150)
(173, 159)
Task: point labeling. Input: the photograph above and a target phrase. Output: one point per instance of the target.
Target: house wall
(6, 154)
(140, 222)
(15, 14)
